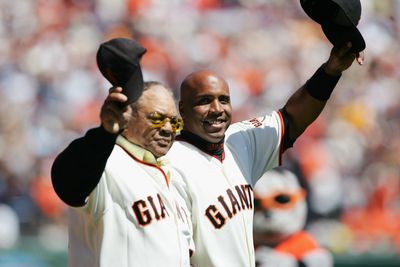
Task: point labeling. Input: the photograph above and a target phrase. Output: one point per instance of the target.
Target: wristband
(320, 86)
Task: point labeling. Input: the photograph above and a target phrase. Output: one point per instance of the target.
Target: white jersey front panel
(129, 220)
(220, 195)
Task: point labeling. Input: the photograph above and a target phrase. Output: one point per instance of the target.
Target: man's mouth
(164, 142)
(214, 122)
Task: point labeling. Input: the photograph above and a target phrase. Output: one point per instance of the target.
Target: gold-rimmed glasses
(158, 120)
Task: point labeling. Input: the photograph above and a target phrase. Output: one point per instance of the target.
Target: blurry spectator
(9, 227)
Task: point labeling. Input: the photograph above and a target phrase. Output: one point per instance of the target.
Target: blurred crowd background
(51, 92)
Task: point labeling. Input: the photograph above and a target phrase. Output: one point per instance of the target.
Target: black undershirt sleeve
(287, 141)
(77, 170)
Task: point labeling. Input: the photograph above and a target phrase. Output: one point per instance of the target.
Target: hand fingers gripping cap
(338, 19)
(119, 61)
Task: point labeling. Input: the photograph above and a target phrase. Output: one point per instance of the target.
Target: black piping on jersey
(148, 164)
(77, 170)
(215, 150)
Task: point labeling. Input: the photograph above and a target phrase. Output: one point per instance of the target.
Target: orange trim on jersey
(298, 245)
(148, 164)
(281, 139)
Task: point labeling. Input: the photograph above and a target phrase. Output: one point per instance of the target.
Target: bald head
(205, 105)
(200, 79)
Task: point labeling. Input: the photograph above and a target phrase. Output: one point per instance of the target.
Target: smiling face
(205, 105)
(154, 105)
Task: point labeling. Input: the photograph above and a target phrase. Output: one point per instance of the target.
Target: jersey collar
(139, 152)
(214, 149)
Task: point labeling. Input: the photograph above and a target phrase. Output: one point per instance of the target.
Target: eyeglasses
(159, 120)
(281, 200)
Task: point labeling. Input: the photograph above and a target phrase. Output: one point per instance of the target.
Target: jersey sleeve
(96, 203)
(257, 144)
(77, 170)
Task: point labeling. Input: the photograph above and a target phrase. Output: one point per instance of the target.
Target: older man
(124, 211)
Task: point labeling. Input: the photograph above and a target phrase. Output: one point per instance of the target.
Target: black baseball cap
(119, 61)
(338, 20)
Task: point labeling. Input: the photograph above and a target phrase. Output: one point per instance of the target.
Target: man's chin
(214, 137)
(160, 151)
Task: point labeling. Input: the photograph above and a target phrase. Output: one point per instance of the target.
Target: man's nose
(216, 107)
(167, 127)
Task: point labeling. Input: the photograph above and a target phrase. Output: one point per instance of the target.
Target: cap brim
(134, 86)
(340, 35)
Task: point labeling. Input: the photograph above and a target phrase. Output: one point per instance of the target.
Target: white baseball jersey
(220, 195)
(131, 217)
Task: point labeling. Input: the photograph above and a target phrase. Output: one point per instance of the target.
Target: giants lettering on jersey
(241, 198)
(148, 209)
(257, 122)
